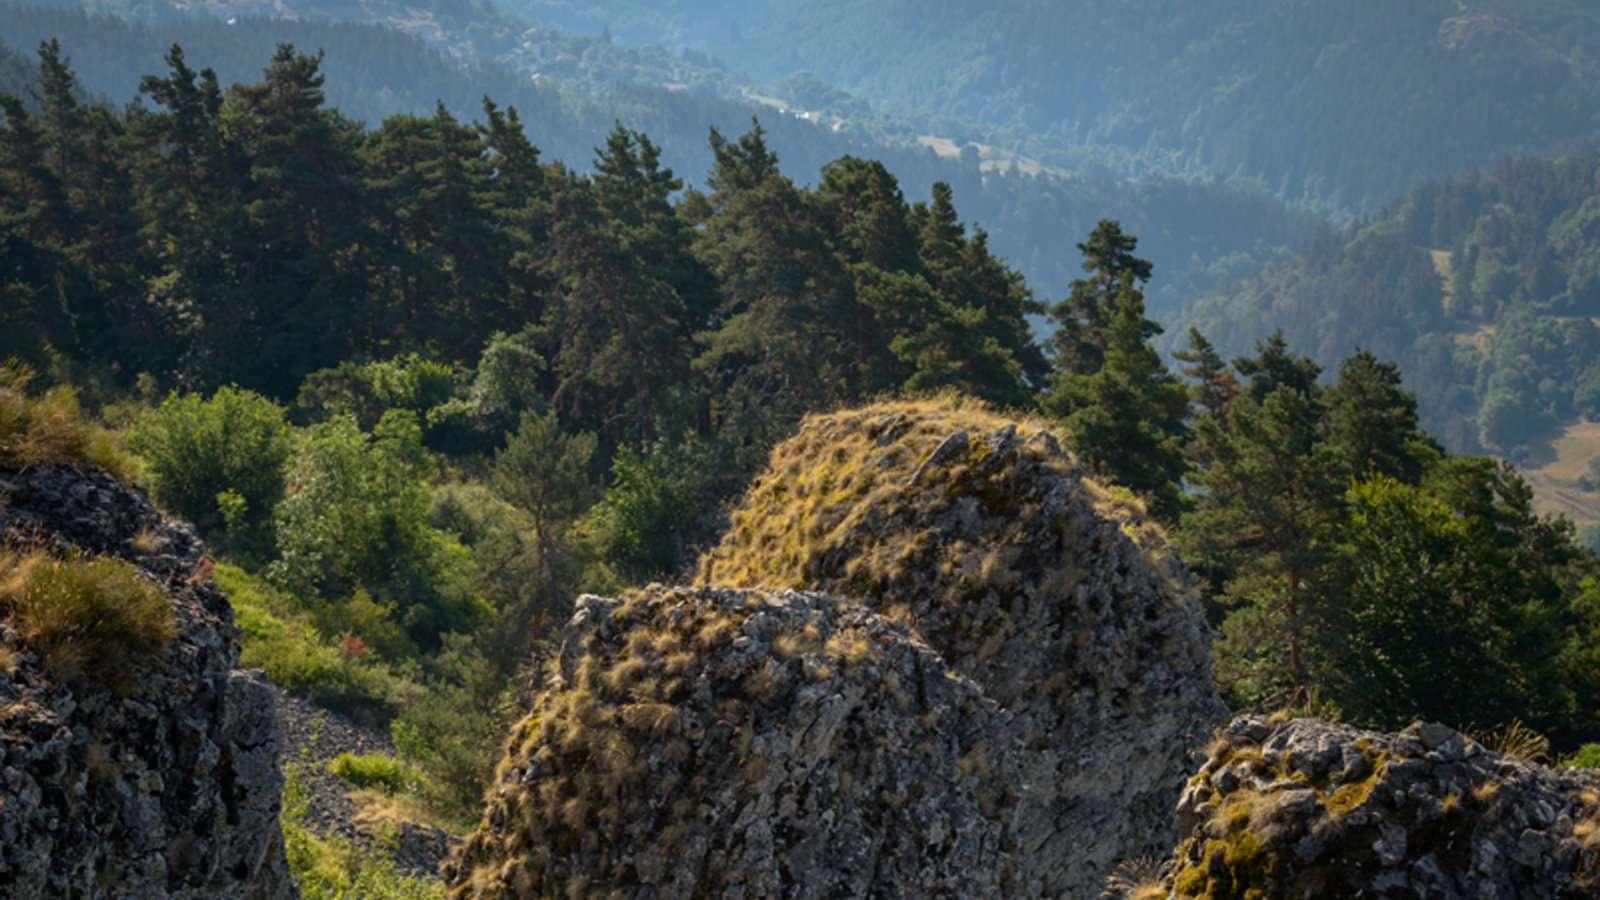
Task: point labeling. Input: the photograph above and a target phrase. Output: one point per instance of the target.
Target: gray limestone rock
(1305, 809)
(739, 744)
(1053, 593)
(166, 789)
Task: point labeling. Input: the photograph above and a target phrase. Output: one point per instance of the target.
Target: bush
(1587, 757)
(51, 428)
(374, 771)
(93, 619)
(357, 519)
(217, 462)
(279, 637)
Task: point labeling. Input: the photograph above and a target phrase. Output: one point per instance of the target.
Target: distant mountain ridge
(1337, 104)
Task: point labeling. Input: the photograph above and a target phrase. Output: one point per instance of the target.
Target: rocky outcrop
(166, 787)
(739, 744)
(1049, 591)
(1305, 809)
(997, 697)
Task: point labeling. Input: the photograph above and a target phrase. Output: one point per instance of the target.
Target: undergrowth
(334, 868)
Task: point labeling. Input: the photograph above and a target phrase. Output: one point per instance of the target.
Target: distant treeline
(1197, 232)
(1485, 287)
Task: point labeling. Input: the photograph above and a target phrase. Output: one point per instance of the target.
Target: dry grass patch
(51, 428)
(93, 618)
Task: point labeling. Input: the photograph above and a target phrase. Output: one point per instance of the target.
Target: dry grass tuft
(1144, 878)
(93, 618)
(1515, 739)
(51, 427)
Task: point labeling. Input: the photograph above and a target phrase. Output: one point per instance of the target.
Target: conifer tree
(1120, 406)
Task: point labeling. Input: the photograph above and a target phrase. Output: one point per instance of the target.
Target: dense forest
(1333, 104)
(420, 385)
(1201, 232)
(1486, 287)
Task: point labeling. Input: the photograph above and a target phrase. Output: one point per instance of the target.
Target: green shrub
(280, 637)
(50, 427)
(356, 518)
(374, 771)
(217, 462)
(93, 619)
(1587, 757)
(650, 501)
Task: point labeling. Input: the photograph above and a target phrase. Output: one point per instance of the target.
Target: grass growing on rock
(51, 428)
(93, 619)
(617, 766)
(945, 512)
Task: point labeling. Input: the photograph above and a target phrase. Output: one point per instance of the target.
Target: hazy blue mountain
(1339, 104)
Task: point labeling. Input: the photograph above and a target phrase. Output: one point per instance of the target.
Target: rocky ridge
(167, 788)
(1019, 716)
(1306, 809)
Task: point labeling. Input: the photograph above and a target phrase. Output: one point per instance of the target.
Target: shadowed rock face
(1038, 678)
(168, 789)
(1305, 809)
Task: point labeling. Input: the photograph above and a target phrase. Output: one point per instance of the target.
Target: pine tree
(1373, 424)
(1120, 406)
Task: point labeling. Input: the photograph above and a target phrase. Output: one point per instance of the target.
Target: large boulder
(1306, 809)
(739, 744)
(996, 693)
(1051, 592)
(163, 785)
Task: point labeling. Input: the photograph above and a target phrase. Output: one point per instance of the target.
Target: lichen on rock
(995, 695)
(727, 743)
(1049, 590)
(1306, 809)
(163, 784)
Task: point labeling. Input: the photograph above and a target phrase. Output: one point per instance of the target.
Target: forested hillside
(1485, 287)
(1200, 232)
(1338, 104)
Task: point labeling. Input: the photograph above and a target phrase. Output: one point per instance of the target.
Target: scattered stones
(311, 737)
(168, 788)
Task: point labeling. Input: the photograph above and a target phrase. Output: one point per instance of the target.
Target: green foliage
(356, 517)
(1481, 288)
(367, 391)
(1428, 617)
(93, 619)
(1587, 757)
(376, 771)
(639, 522)
(280, 636)
(1120, 406)
(219, 462)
